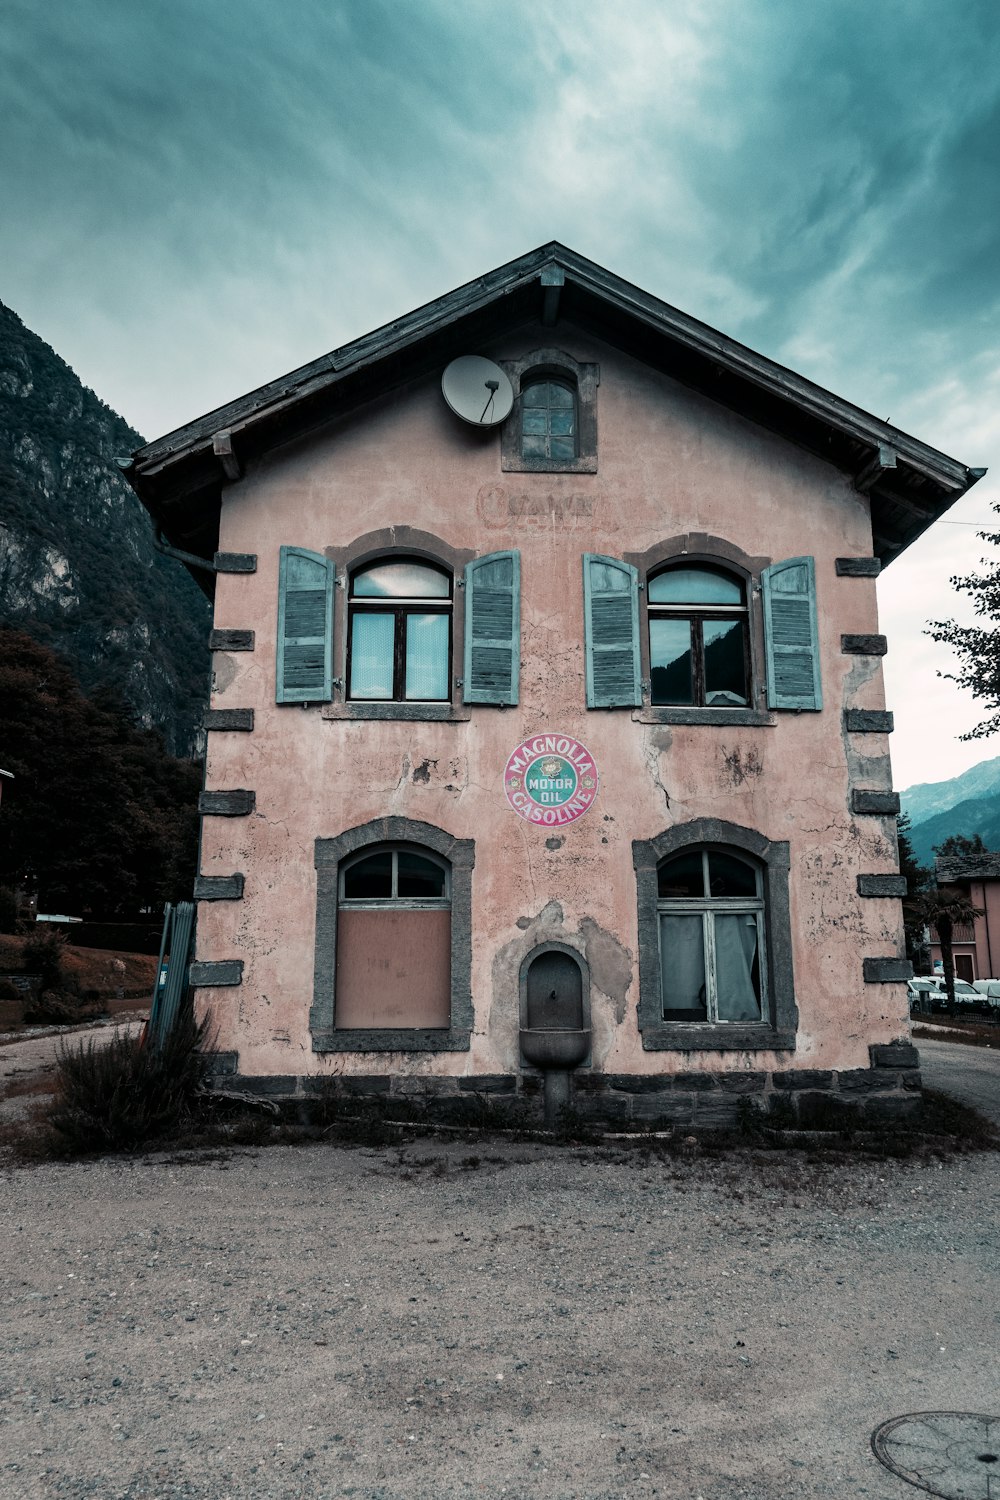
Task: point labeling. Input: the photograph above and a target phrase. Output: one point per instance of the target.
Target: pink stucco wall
(669, 462)
(983, 946)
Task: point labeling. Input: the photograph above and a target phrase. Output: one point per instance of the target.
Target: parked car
(989, 989)
(923, 994)
(928, 992)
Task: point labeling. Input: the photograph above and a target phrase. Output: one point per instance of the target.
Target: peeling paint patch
(655, 742)
(551, 915)
(612, 966)
(741, 765)
(422, 773)
(224, 672)
(553, 844)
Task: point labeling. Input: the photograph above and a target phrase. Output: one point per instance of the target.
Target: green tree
(958, 844)
(977, 646)
(917, 877)
(98, 813)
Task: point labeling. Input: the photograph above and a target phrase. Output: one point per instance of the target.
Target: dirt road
(468, 1320)
(969, 1074)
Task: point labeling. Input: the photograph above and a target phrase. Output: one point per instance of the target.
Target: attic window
(549, 423)
(553, 427)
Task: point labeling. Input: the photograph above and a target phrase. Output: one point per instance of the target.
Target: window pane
(560, 395)
(371, 655)
(694, 586)
(562, 447)
(427, 657)
(369, 879)
(561, 423)
(533, 447)
(671, 666)
(682, 968)
(536, 394)
(725, 663)
(728, 876)
(419, 876)
(737, 967)
(683, 876)
(401, 580)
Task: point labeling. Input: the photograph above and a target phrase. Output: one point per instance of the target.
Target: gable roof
(180, 477)
(951, 869)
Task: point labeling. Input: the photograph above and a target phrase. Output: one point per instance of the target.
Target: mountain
(976, 815)
(78, 568)
(928, 799)
(966, 805)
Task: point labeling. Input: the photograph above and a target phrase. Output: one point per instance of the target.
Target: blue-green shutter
(791, 634)
(305, 627)
(611, 626)
(492, 658)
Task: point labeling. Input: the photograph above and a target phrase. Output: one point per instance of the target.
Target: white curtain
(682, 959)
(735, 951)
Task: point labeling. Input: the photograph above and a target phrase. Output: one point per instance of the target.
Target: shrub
(124, 1094)
(44, 953)
(8, 909)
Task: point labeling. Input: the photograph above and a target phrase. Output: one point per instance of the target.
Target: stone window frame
(584, 378)
(391, 544)
(778, 1032)
(701, 549)
(330, 853)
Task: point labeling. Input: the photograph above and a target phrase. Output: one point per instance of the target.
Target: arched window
(399, 632)
(553, 429)
(710, 913)
(393, 965)
(698, 637)
(549, 419)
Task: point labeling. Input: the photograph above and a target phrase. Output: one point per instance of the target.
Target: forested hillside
(78, 569)
(97, 818)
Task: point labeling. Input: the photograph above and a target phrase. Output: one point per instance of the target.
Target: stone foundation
(888, 1089)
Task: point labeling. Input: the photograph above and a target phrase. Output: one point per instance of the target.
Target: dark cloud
(200, 194)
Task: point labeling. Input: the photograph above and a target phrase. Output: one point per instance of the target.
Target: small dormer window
(553, 427)
(549, 420)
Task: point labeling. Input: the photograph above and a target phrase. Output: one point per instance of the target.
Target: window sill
(515, 464)
(751, 718)
(412, 713)
(692, 1037)
(403, 1039)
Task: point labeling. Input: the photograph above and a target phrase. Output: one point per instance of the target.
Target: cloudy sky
(198, 195)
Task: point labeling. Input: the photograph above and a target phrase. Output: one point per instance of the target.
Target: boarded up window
(393, 941)
(393, 968)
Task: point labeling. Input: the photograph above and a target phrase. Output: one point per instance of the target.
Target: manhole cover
(951, 1453)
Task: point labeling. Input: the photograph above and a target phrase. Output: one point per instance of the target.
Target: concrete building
(551, 744)
(976, 946)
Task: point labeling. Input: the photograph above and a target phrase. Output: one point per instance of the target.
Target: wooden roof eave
(183, 463)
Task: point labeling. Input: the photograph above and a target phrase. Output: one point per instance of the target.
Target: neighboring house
(976, 947)
(572, 722)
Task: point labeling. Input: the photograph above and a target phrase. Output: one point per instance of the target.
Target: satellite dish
(477, 390)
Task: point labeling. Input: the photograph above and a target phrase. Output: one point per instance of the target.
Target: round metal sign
(550, 779)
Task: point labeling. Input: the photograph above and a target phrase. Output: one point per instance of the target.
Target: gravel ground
(470, 1319)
